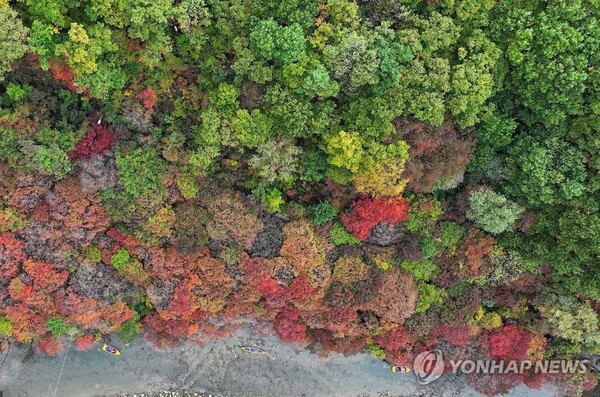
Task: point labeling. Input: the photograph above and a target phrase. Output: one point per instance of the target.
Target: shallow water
(220, 368)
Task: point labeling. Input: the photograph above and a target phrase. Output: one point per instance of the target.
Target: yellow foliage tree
(381, 180)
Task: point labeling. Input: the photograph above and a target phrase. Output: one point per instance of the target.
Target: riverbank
(219, 368)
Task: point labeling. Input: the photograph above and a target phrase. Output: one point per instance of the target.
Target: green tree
(251, 129)
(288, 12)
(273, 42)
(47, 160)
(345, 150)
(340, 236)
(392, 55)
(140, 171)
(429, 294)
(144, 19)
(120, 259)
(549, 47)
(353, 63)
(225, 98)
(10, 220)
(317, 82)
(493, 212)
(290, 112)
(545, 171)
(421, 269)
(13, 38)
(53, 12)
(41, 42)
(130, 329)
(93, 254)
(276, 162)
(451, 234)
(270, 198)
(5, 326)
(573, 320)
(494, 133)
(56, 326)
(472, 81)
(322, 213)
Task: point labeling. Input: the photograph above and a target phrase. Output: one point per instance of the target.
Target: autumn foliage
(397, 344)
(366, 213)
(289, 327)
(62, 72)
(148, 98)
(11, 256)
(50, 346)
(457, 335)
(437, 155)
(84, 343)
(316, 170)
(510, 343)
(46, 276)
(98, 139)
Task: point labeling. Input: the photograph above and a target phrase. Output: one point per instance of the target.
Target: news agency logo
(429, 366)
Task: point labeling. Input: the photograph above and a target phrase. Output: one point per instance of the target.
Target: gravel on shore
(175, 393)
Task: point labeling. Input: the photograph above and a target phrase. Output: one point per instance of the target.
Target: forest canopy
(380, 175)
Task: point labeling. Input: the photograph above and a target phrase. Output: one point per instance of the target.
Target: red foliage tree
(114, 315)
(459, 335)
(98, 139)
(340, 321)
(510, 343)
(474, 248)
(397, 296)
(255, 270)
(50, 346)
(368, 212)
(345, 345)
(276, 296)
(64, 73)
(535, 381)
(11, 256)
(167, 264)
(288, 326)
(437, 156)
(305, 252)
(90, 313)
(343, 321)
(181, 304)
(148, 98)
(29, 295)
(26, 324)
(70, 211)
(46, 276)
(590, 382)
(300, 289)
(219, 327)
(162, 333)
(84, 343)
(394, 339)
(397, 344)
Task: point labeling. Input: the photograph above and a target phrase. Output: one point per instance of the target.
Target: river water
(221, 369)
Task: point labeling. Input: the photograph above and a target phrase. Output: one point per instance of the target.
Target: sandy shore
(219, 368)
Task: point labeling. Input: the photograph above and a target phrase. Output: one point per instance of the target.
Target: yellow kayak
(253, 350)
(111, 350)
